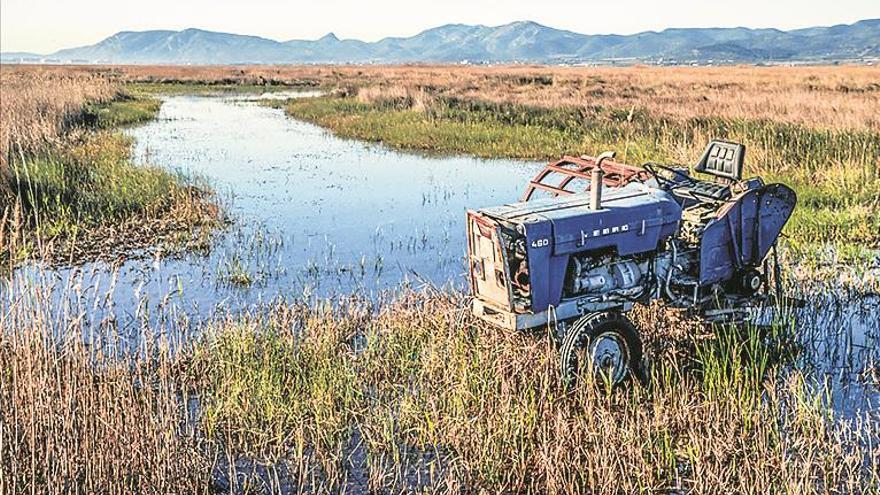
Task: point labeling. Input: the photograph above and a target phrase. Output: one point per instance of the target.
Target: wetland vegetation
(68, 187)
(406, 391)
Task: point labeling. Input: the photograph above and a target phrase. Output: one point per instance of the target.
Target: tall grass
(82, 415)
(37, 108)
(282, 385)
(491, 402)
(417, 396)
(68, 188)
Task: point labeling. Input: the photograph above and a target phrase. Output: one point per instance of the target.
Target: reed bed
(38, 107)
(68, 188)
(82, 416)
(409, 395)
(829, 97)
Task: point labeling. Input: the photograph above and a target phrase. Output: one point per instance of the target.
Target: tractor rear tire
(606, 345)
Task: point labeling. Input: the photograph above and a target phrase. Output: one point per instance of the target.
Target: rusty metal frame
(616, 175)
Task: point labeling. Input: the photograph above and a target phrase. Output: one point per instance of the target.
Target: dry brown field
(816, 96)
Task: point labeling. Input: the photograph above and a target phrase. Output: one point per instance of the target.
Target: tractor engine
(609, 278)
(605, 275)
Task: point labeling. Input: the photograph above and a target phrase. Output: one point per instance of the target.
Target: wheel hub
(755, 282)
(608, 354)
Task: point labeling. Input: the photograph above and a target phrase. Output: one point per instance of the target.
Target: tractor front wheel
(605, 345)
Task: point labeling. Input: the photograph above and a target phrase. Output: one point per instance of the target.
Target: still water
(316, 213)
(312, 215)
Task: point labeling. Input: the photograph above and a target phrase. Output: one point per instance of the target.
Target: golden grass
(813, 96)
(38, 106)
(829, 97)
(79, 417)
(420, 395)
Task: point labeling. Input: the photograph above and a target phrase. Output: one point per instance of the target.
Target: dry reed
(828, 97)
(37, 108)
(419, 396)
(81, 415)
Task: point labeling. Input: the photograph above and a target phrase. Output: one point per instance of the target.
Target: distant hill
(516, 42)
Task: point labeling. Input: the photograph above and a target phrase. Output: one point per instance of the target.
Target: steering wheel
(663, 181)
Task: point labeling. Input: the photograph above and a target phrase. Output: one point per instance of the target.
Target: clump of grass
(70, 191)
(38, 107)
(87, 195)
(88, 181)
(252, 260)
(125, 110)
(236, 273)
(282, 384)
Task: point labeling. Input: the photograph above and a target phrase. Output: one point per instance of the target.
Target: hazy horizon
(45, 26)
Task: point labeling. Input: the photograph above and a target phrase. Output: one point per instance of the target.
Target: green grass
(87, 181)
(236, 273)
(836, 173)
(126, 110)
(277, 381)
(90, 183)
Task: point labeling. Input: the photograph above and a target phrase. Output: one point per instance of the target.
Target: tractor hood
(632, 219)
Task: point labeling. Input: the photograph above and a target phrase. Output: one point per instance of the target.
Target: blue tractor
(591, 238)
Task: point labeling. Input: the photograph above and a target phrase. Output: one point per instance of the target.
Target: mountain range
(524, 41)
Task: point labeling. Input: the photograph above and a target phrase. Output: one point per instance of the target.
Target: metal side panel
(744, 231)
(539, 248)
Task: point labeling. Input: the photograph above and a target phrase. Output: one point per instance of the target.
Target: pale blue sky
(44, 26)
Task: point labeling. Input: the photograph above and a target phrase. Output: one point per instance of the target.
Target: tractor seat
(722, 159)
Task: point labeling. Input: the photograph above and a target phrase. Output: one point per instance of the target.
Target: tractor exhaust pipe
(596, 179)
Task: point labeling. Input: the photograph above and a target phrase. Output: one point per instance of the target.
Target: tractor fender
(743, 231)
